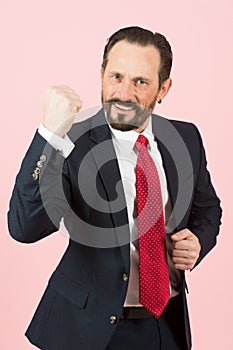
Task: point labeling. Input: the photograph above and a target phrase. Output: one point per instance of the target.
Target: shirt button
(113, 319)
(125, 277)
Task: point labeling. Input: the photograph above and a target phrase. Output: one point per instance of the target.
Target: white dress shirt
(124, 144)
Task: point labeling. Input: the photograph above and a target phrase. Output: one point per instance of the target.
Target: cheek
(150, 95)
(107, 89)
(145, 97)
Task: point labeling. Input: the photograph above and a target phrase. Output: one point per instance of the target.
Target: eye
(141, 82)
(116, 76)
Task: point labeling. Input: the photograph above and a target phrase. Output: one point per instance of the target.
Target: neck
(143, 127)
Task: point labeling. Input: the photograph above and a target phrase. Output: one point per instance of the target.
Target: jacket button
(37, 171)
(125, 277)
(43, 158)
(113, 319)
(35, 176)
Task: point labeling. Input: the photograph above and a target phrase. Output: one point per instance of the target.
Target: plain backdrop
(51, 42)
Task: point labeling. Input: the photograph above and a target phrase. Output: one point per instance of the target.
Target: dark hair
(143, 37)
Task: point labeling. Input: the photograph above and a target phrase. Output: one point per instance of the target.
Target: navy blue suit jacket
(89, 286)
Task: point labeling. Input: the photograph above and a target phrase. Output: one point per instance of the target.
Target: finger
(180, 235)
(70, 94)
(75, 109)
(186, 256)
(64, 91)
(181, 260)
(187, 262)
(184, 245)
(60, 88)
(183, 266)
(75, 102)
(180, 253)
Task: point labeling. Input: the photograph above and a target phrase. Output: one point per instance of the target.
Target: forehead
(133, 59)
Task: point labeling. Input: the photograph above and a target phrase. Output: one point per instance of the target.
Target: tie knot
(141, 142)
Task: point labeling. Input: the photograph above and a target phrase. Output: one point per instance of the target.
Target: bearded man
(136, 197)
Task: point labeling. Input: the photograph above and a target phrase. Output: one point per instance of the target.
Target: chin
(123, 126)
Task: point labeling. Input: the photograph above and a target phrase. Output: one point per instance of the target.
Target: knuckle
(194, 255)
(49, 90)
(56, 88)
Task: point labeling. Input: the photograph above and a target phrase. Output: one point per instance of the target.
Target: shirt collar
(121, 137)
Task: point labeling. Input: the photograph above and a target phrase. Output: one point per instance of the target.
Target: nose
(126, 91)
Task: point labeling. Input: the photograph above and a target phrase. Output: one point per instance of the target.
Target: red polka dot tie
(154, 288)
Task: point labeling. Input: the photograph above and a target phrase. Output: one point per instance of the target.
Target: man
(117, 180)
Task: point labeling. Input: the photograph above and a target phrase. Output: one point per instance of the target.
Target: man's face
(130, 85)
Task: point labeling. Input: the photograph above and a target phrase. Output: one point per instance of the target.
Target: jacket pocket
(72, 291)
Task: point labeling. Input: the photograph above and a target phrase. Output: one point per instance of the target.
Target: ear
(164, 89)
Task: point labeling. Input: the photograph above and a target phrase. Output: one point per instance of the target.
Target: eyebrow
(142, 78)
(139, 77)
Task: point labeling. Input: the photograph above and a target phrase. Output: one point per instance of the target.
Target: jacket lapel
(104, 155)
(163, 136)
(178, 167)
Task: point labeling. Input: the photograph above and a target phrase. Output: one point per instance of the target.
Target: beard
(127, 115)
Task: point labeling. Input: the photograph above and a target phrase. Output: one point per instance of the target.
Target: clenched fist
(60, 106)
(186, 249)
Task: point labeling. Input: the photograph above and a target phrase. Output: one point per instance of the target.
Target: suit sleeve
(205, 216)
(41, 194)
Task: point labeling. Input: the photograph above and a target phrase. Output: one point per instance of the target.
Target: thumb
(180, 235)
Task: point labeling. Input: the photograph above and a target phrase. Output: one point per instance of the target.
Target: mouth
(124, 107)
(125, 116)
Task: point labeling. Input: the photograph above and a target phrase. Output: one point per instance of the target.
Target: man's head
(143, 37)
(135, 74)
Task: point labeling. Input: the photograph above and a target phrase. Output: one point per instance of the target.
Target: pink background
(61, 42)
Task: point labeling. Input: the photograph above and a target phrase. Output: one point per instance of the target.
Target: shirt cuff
(62, 145)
